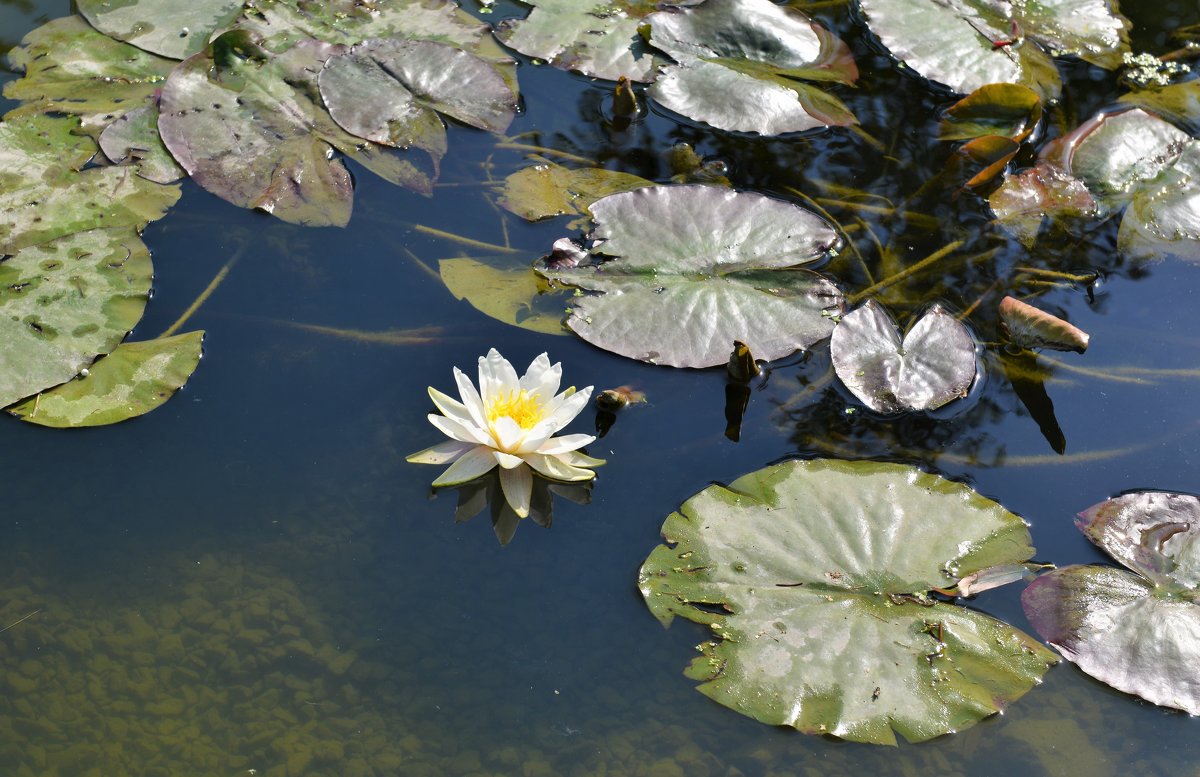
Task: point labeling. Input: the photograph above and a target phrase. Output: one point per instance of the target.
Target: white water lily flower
(509, 421)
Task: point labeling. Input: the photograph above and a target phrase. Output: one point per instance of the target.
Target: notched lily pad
(131, 381)
(546, 190)
(64, 302)
(1139, 633)
(686, 270)
(814, 577)
(1030, 327)
(743, 66)
(165, 27)
(934, 364)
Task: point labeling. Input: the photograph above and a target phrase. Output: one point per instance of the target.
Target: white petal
(571, 407)
(471, 399)
(451, 407)
(568, 442)
(442, 453)
(577, 459)
(470, 465)
(517, 485)
(507, 460)
(542, 379)
(557, 469)
(459, 431)
(536, 436)
(497, 378)
(508, 434)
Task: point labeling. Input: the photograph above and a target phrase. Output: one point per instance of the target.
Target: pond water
(252, 579)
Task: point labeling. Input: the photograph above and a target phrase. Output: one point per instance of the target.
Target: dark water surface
(252, 578)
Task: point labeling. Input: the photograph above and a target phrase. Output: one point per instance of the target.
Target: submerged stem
(204, 295)
(825, 214)
(444, 235)
(933, 258)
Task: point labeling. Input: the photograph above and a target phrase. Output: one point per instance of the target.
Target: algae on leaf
(814, 577)
(131, 381)
(686, 270)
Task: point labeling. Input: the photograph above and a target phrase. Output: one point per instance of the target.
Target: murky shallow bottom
(251, 578)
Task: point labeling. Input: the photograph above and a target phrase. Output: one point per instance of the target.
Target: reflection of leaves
(513, 295)
(485, 493)
(1028, 379)
(131, 381)
(934, 364)
(814, 575)
(694, 268)
(1140, 633)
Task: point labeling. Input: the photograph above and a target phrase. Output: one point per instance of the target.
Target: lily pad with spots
(815, 579)
(131, 381)
(133, 139)
(683, 271)
(1137, 631)
(168, 28)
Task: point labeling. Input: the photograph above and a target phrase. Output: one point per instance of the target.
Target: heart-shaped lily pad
(64, 302)
(743, 65)
(689, 269)
(965, 44)
(166, 27)
(814, 577)
(1138, 633)
(131, 381)
(934, 364)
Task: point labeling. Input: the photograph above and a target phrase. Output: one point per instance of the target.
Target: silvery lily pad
(686, 270)
(598, 38)
(1163, 218)
(934, 364)
(1139, 633)
(244, 124)
(131, 381)
(814, 577)
(64, 302)
(743, 64)
(1030, 327)
(165, 27)
(387, 90)
(965, 44)
(73, 69)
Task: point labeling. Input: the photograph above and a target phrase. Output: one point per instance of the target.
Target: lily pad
(1113, 152)
(44, 195)
(1030, 327)
(134, 139)
(165, 27)
(1163, 219)
(388, 90)
(131, 381)
(1177, 103)
(1139, 633)
(743, 64)
(244, 124)
(546, 190)
(814, 577)
(1024, 200)
(509, 294)
(64, 302)
(934, 364)
(965, 44)
(597, 38)
(70, 68)
(1007, 110)
(689, 269)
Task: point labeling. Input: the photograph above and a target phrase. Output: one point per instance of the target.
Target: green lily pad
(546, 190)
(66, 301)
(1139, 633)
(131, 381)
(245, 125)
(514, 295)
(44, 195)
(934, 364)
(165, 27)
(388, 91)
(73, 69)
(1113, 152)
(1163, 218)
(597, 38)
(1007, 110)
(965, 44)
(692, 268)
(1177, 103)
(133, 139)
(814, 577)
(1030, 327)
(743, 64)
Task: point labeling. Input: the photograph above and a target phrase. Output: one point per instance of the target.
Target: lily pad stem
(933, 258)
(547, 151)
(825, 214)
(918, 219)
(435, 232)
(204, 295)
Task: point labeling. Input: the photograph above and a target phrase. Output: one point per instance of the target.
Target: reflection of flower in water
(510, 421)
(485, 492)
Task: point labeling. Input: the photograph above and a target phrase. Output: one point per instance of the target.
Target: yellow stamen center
(520, 406)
